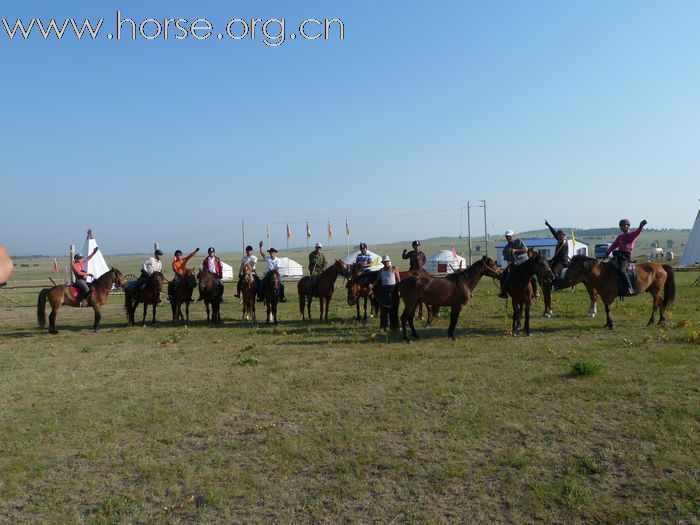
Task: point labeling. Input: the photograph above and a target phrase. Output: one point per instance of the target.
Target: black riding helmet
(178, 252)
(623, 222)
(249, 248)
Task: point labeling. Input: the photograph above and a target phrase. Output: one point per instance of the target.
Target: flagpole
(287, 237)
(307, 234)
(347, 234)
(243, 232)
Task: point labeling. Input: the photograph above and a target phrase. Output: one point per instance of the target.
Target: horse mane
(586, 262)
(475, 268)
(365, 278)
(103, 279)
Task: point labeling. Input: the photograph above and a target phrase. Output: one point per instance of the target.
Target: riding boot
(630, 289)
(238, 289)
(503, 293)
(283, 299)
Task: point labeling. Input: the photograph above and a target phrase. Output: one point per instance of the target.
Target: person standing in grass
(387, 279)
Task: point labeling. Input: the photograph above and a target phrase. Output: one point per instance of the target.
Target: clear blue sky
(579, 112)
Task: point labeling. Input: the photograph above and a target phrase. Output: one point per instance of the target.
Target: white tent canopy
(226, 272)
(376, 259)
(443, 261)
(97, 266)
(290, 268)
(691, 252)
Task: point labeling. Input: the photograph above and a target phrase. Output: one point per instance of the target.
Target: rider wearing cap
(212, 264)
(561, 251)
(80, 283)
(251, 260)
(416, 257)
(317, 263)
(273, 264)
(149, 266)
(364, 259)
(624, 246)
(514, 253)
(387, 278)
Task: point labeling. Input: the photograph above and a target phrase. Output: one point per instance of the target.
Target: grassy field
(328, 423)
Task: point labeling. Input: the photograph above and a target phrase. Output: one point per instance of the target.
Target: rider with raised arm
(561, 252)
(273, 264)
(416, 257)
(80, 275)
(623, 246)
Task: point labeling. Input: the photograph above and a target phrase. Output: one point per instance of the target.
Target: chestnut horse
(654, 278)
(150, 294)
(249, 290)
(182, 294)
(454, 290)
(211, 295)
(520, 289)
(563, 283)
(271, 293)
(324, 288)
(66, 295)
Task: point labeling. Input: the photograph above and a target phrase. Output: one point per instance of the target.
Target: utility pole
(469, 232)
(243, 233)
(486, 232)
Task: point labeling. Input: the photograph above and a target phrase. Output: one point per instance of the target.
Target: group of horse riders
(515, 252)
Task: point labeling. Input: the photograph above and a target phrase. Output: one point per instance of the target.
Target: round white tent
(376, 259)
(290, 268)
(443, 261)
(97, 266)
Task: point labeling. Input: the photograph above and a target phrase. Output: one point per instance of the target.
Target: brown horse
(149, 294)
(324, 288)
(358, 288)
(249, 290)
(182, 294)
(271, 294)
(211, 295)
(563, 283)
(453, 290)
(67, 295)
(520, 289)
(651, 277)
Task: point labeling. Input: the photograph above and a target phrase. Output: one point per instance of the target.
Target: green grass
(309, 423)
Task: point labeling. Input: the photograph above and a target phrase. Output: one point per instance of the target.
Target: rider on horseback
(212, 264)
(149, 267)
(251, 260)
(317, 263)
(624, 246)
(416, 257)
(514, 253)
(80, 283)
(273, 265)
(179, 266)
(364, 259)
(561, 252)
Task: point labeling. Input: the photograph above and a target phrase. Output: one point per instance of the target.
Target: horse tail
(669, 287)
(41, 307)
(394, 312)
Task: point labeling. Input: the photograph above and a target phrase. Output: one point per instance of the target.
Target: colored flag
(55, 266)
(308, 230)
(347, 229)
(330, 231)
(289, 232)
(573, 240)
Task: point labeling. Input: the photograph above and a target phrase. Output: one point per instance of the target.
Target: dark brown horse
(182, 294)
(67, 295)
(211, 295)
(271, 294)
(249, 290)
(602, 277)
(454, 290)
(323, 289)
(148, 295)
(358, 288)
(520, 289)
(563, 283)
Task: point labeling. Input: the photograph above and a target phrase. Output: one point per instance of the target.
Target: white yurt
(290, 269)
(227, 272)
(443, 261)
(376, 259)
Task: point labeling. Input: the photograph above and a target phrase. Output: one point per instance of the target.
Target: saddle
(75, 292)
(631, 272)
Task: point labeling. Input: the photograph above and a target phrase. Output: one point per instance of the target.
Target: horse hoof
(453, 338)
(548, 315)
(408, 342)
(528, 333)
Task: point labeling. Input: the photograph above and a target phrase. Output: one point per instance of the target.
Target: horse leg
(655, 303)
(527, 319)
(328, 305)
(52, 319)
(514, 328)
(357, 305)
(320, 303)
(274, 312)
(420, 311)
(403, 324)
(609, 323)
(592, 310)
(547, 293)
(154, 313)
(98, 316)
(206, 304)
(145, 310)
(454, 317)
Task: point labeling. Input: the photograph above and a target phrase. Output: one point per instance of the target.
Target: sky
(577, 112)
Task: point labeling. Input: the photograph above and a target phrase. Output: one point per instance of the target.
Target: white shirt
(151, 265)
(252, 260)
(272, 264)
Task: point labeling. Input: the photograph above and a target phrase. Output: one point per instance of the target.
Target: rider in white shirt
(250, 260)
(273, 264)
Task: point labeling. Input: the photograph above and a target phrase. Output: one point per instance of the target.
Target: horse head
(578, 269)
(353, 291)
(117, 276)
(342, 268)
(491, 269)
(157, 279)
(541, 267)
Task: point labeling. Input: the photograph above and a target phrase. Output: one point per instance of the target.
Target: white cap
(319, 245)
(509, 233)
(385, 258)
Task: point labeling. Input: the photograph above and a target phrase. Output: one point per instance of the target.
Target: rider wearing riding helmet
(79, 282)
(561, 252)
(251, 260)
(623, 245)
(273, 265)
(364, 259)
(416, 257)
(179, 266)
(212, 264)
